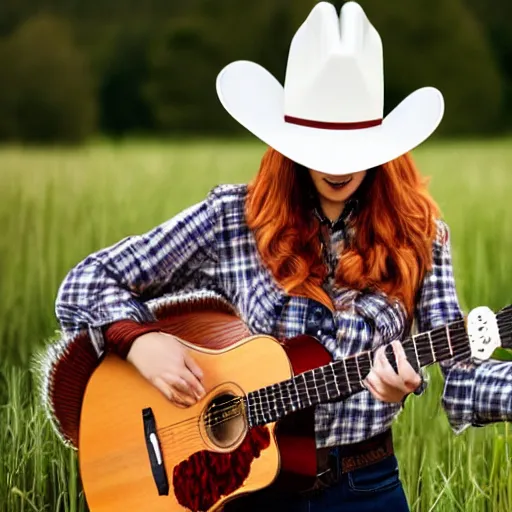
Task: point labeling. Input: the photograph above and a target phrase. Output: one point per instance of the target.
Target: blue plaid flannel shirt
(209, 246)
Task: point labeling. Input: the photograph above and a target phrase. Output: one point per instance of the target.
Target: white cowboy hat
(329, 115)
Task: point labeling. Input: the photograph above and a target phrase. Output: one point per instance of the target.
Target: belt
(336, 461)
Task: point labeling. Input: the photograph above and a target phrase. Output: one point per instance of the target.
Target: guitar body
(137, 451)
(204, 467)
(114, 459)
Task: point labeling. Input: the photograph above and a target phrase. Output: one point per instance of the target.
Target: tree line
(72, 68)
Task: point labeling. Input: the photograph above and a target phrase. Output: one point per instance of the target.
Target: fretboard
(504, 318)
(345, 377)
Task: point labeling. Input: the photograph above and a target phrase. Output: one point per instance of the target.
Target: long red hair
(391, 247)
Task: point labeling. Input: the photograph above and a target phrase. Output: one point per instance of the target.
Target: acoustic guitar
(139, 452)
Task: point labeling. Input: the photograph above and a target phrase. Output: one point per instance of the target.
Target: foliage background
(71, 68)
(101, 108)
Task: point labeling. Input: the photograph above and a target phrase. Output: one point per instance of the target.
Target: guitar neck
(343, 378)
(504, 318)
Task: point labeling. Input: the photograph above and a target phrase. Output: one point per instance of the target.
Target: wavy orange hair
(394, 228)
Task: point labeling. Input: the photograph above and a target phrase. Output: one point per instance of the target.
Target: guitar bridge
(155, 452)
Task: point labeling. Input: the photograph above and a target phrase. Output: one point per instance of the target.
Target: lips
(338, 184)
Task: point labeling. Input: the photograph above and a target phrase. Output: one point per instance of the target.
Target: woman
(338, 239)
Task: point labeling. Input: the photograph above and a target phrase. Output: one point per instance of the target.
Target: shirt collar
(349, 210)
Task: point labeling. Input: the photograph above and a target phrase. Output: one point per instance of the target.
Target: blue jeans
(375, 488)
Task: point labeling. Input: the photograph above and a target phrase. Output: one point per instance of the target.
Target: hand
(167, 364)
(384, 383)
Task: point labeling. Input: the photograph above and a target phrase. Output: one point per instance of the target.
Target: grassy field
(57, 206)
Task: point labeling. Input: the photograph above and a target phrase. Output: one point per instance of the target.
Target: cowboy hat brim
(255, 99)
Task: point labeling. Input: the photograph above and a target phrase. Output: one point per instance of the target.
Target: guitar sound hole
(224, 420)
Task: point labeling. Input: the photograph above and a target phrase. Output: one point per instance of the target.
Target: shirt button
(318, 314)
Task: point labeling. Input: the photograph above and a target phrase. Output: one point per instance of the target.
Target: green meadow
(59, 205)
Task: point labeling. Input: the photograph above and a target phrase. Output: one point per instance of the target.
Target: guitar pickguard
(205, 477)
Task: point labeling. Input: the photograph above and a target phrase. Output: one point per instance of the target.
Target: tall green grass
(36, 472)
(57, 206)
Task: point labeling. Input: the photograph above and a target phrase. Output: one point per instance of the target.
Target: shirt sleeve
(473, 394)
(114, 283)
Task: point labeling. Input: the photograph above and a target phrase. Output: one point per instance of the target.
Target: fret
(452, 337)
(296, 389)
(448, 337)
(315, 384)
(456, 331)
(346, 375)
(322, 385)
(267, 401)
(426, 356)
(295, 394)
(330, 382)
(335, 379)
(308, 376)
(255, 408)
(416, 352)
(287, 396)
(363, 361)
(316, 389)
(273, 398)
(264, 405)
(353, 374)
(358, 370)
(269, 396)
(259, 410)
(303, 390)
(280, 404)
(293, 398)
(370, 360)
(431, 346)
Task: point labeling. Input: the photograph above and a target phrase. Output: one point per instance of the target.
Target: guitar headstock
(483, 332)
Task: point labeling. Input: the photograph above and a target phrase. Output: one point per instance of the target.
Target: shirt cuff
(478, 394)
(493, 392)
(459, 395)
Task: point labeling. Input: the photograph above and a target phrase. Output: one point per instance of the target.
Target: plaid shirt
(209, 246)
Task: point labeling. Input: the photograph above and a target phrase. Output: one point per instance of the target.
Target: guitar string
(236, 413)
(197, 433)
(506, 337)
(362, 355)
(221, 410)
(230, 409)
(350, 374)
(168, 443)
